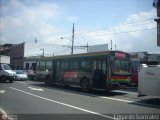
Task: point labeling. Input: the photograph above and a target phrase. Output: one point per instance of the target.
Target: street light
(72, 43)
(43, 51)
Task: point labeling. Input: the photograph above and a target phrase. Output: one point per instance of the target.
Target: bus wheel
(85, 85)
(48, 81)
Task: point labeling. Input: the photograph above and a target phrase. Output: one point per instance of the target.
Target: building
(5, 49)
(17, 55)
(145, 58)
(23, 55)
(156, 4)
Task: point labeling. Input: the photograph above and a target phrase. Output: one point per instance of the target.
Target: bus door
(99, 71)
(54, 71)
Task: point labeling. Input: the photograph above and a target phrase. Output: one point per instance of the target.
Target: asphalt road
(29, 100)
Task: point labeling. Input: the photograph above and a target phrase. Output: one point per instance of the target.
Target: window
(27, 66)
(86, 65)
(42, 65)
(49, 65)
(58, 65)
(37, 64)
(74, 65)
(65, 65)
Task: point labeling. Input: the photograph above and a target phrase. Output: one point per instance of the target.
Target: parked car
(21, 75)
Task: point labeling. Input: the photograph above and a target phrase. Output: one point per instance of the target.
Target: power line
(121, 32)
(114, 26)
(125, 27)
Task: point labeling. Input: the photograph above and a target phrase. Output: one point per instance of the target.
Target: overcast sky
(128, 23)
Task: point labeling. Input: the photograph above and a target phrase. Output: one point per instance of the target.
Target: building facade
(5, 49)
(17, 55)
(21, 54)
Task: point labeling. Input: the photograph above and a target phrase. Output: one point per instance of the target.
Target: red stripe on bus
(70, 75)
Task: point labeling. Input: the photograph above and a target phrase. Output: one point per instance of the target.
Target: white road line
(61, 103)
(19, 82)
(37, 89)
(2, 91)
(121, 91)
(121, 100)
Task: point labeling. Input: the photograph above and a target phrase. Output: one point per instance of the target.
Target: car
(21, 75)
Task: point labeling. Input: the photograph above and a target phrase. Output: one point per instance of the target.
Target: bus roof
(79, 55)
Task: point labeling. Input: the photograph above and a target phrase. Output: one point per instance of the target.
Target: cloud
(24, 22)
(130, 35)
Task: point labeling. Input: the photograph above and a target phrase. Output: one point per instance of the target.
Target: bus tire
(48, 81)
(85, 85)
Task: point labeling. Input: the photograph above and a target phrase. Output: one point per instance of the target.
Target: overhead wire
(121, 32)
(113, 26)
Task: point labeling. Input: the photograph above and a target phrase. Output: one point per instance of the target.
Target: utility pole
(35, 40)
(43, 51)
(72, 40)
(87, 47)
(111, 44)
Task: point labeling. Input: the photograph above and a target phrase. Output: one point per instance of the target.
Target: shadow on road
(77, 90)
(148, 102)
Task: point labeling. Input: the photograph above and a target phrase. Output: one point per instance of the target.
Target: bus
(99, 70)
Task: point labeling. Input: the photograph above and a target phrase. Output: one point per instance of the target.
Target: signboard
(98, 48)
(120, 55)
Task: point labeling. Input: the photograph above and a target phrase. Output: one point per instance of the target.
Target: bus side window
(65, 65)
(104, 67)
(49, 65)
(97, 65)
(42, 65)
(58, 65)
(86, 65)
(74, 65)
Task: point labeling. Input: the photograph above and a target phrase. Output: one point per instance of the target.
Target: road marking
(121, 100)
(19, 82)
(61, 103)
(37, 89)
(2, 91)
(121, 91)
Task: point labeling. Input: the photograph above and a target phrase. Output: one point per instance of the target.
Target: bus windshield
(120, 67)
